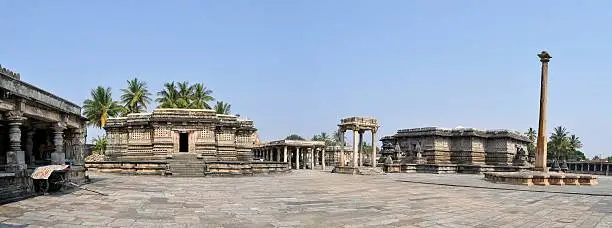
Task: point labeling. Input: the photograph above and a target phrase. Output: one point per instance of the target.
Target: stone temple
(182, 142)
(462, 150)
(37, 128)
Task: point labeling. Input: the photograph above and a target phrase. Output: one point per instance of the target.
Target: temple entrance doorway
(183, 142)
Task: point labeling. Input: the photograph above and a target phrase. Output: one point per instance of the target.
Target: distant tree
(168, 97)
(135, 97)
(294, 137)
(99, 144)
(100, 107)
(336, 138)
(532, 135)
(222, 108)
(323, 137)
(596, 158)
(609, 158)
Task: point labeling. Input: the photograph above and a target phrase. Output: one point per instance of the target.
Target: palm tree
(100, 144)
(100, 107)
(136, 96)
(223, 108)
(531, 133)
(575, 142)
(559, 144)
(184, 95)
(167, 97)
(200, 96)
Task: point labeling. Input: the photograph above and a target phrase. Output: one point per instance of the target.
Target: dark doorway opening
(183, 142)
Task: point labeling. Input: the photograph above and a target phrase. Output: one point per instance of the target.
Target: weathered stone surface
(312, 199)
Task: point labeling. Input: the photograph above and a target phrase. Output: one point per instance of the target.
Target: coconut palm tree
(531, 133)
(100, 107)
(294, 137)
(200, 96)
(559, 143)
(222, 108)
(167, 97)
(135, 97)
(99, 144)
(575, 142)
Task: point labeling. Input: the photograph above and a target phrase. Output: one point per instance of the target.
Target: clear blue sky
(299, 66)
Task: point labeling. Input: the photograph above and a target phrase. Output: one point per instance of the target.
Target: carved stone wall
(157, 135)
(441, 146)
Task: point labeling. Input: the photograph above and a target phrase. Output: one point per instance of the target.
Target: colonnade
(590, 168)
(298, 157)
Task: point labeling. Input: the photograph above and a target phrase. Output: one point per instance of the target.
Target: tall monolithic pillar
(342, 158)
(15, 156)
(355, 147)
(373, 148)
(278, 154)
(58, 156)
(540, 164)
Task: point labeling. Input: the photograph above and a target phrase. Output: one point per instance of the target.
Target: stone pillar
(540, 164)
(15, 156)
(373, 163)
(278, 154)
(58, 157)
(312, 160)
(342, 159)
(30, 146)
(323, 157)
(360, 154)
(285, 154)
(355, 148)
(79, 150)
(297, 158)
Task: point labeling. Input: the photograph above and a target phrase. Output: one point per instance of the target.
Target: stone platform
(540, 178)
(358, 170)
(450, 168)
(211, 168)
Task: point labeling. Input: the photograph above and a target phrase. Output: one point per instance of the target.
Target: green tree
(100, 107)
(336, 138)
(182, 95)
(168, 97)
(323, 136)
(135, 97)
(201, 96)
(99, 144)
(562, 145)
(532, 135)
(223, 108)
(294, 137)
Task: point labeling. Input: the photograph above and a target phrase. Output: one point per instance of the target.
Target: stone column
(285, 154)
(30, 146)
(355, 148)
(342, 159)
(58, 157)
(540, 164)
(323, 157)
(373, 163)
(312, 160)
(297, 158)
(278, 154)
(79, 143)
(15, 156)
(361, 148)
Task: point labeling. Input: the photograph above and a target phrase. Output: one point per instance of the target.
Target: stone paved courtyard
(309, 198)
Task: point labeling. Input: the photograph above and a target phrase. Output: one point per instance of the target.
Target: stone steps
(186, 165)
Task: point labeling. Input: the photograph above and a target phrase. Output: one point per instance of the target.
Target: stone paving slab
(309, 198)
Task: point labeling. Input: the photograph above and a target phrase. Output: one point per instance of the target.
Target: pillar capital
(544, 57)
(59, 126)
(15, 117)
